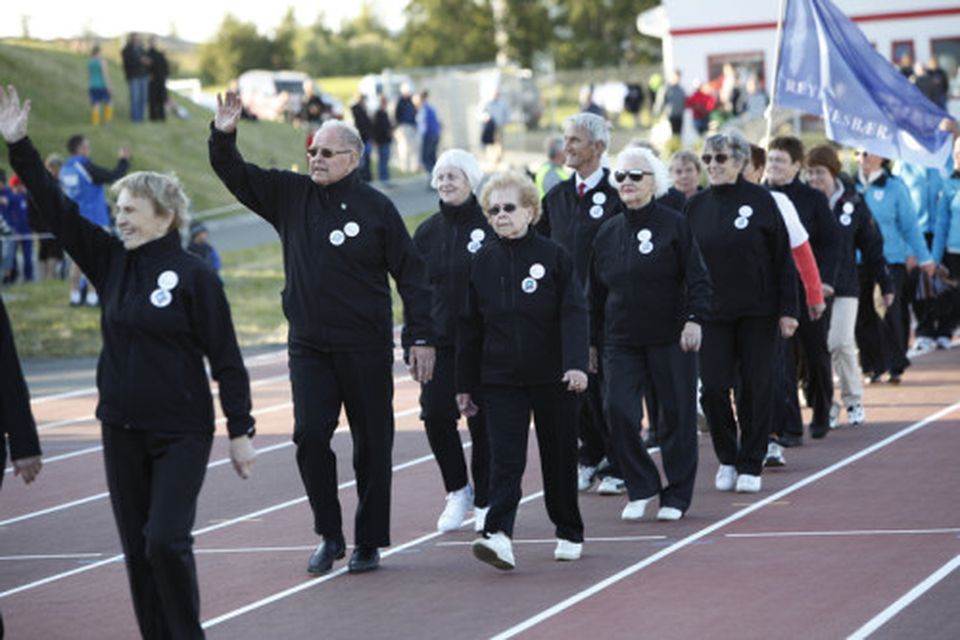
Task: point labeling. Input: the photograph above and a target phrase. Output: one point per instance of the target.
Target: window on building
(947, 52)
(902, 53)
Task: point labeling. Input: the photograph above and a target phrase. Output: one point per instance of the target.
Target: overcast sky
(192, 20)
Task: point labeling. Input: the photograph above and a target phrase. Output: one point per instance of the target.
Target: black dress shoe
(364, 558)
(790, 440)
(322, 559)
(818, 431)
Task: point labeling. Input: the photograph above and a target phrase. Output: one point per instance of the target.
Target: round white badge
(351, 229)
(845, 220)
(343, 205)
(168, 280)
(478, 235)
(746, 211)
(878, 195)
(741, 223)
(848, 207)
(644, 234)
(160, 298)
(596, 212)
(537, 271)
(599, 197)
(529, 285)
(646, 247)
(473, 246)
(337, 237)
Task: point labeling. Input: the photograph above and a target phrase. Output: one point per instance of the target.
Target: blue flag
(828, 68)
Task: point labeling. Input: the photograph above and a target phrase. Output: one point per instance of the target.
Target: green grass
(56, 82)
(44, 326)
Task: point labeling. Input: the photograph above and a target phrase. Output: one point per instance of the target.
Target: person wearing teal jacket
(904, 248)
(946, 249)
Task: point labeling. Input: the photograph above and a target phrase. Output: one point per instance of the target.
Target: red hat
(15, 181)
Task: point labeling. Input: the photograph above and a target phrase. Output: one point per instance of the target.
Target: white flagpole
(776, 72)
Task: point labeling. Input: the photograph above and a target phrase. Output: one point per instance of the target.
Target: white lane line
(259, 604)
(464, 543)
(215, 527)
(54, 556)
(887, 614)
(685, 542)
(838, 533)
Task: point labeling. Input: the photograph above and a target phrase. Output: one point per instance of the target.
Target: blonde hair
(164, 190)
(526, 190)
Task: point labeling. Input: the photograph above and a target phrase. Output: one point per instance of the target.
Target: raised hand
(13, 115)
(228, 113)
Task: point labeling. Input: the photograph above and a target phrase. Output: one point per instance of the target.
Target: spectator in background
(82, 181)
(364, 126)
(51, 252)
(671, 100)
(552, 171)
(98, 86)
(201, 247)
(496, 114)
(939, 85)
(136, 73)
(313, 109)
(588, 104)
(754, 101)
(428, 126)
(906, 65)
(702, 103)
(157, 87)
(18, 219)
(405, 117)
(8, 245)
(383, 138)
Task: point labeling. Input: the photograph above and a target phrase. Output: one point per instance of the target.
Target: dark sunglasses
(634, 174)
(324, 152)
(495, 209)
(862, 154)
(720, 158)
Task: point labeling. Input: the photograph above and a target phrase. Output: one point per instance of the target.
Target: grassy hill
(56, 82)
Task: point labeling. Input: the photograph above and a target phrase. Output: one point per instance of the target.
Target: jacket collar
(460, 212)
(159, 248)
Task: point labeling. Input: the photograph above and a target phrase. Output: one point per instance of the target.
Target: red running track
(858, 536)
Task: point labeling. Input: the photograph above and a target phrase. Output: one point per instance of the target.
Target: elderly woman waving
(163, 312)
(745, 245)
(649, 294)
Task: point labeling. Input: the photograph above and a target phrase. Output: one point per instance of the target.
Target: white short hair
(597, 128)
(661, 177)
(347, 132)
(459, 159)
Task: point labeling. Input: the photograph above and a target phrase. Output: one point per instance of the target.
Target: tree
(529, 28)
(447, 32)
(235, 48)
(592, 33)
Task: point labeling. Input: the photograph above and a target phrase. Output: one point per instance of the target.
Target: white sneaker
(747, 483)
(92, 299)
(458, 504)
(669, 514)
(924, 344)
(75, 298)
(834, 415)
(635, 509)
(495, 550)
(774, 455)
(856, 415)
(611, 486)
(943, 342)
(567, 551)
(585, 476)
(479, 518)
(726, 478)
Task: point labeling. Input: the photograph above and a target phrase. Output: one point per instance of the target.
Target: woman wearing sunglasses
(649, 294)
(522, 345)
(448, 240)
(747, 251)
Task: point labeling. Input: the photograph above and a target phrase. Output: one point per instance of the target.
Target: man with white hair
(341, 238)
(573, 212)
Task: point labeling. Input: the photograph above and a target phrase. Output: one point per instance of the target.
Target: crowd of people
(605, 291)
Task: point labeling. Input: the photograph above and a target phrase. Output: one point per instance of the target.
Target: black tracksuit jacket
(16, 420)
(339, 243)
(752, 268)
(858, 232)
(447, 241)
(573, 222)
(163, 310)
(642, 294)
(820, 223)
(516, 333)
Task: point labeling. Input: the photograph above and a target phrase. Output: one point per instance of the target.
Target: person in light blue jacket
(904, 248)
(946, 248)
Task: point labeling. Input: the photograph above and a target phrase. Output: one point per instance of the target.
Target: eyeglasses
(634, 174)
(720, 158)
(508, 208)
(862, 154)
(326, 153)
